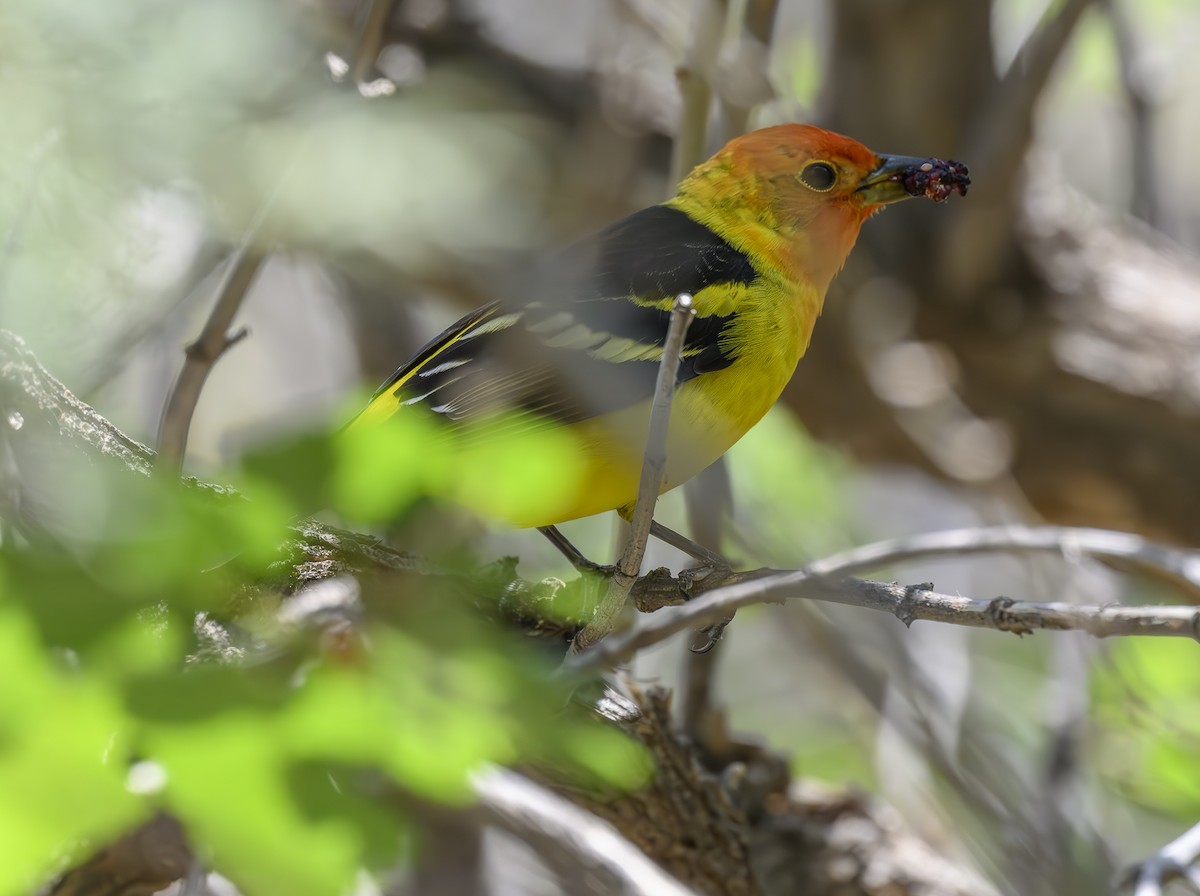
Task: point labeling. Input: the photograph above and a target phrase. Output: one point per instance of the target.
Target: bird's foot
(697, 581)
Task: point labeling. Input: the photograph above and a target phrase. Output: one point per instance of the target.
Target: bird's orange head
(796, 195)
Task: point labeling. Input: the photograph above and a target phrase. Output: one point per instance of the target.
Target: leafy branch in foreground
(44, 419)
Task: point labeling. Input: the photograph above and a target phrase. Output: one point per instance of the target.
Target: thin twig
(371, 20)
(214, 340)
(827, 580)
(1138, 97)
(687, 152)
(709, 508)
(1000, 147)
(997, 148)
(695, 92)
(758, 22)
(1174, 862)
(196, 882)
(653, 469)
(760, 18)
(1071, 543)
(206, 266)
(552, 825)
(697, 683)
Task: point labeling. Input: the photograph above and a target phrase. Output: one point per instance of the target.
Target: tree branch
(371, 19)
(826, 580)
(35, 408)
(30, 395)
(34, 405)
(688, 149)
(214, 340)
(1174, 862)
(597, 852)
(737, 824)
(997, 150)
(1001, 147)
(1139, 99)
(1071, 543)
(748, 69)
(146, 859)
(653, 469)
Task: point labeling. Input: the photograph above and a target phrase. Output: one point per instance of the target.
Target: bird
(754, 235)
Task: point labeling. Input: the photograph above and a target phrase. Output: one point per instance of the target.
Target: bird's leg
(692, 549)
(718, 564)
(573, 554)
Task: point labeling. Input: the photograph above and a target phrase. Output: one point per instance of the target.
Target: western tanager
(755, 235)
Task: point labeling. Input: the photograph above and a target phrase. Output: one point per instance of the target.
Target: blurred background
(1031, 353)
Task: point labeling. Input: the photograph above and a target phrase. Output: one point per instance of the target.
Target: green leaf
(350, 797)
(515, 468)
(1149, 699)
(63, 750)
(383, 469)
(198, 693)
(293, 471)
(227, 779)
(788, 483)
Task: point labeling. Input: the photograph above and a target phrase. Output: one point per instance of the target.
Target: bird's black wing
(589, 336)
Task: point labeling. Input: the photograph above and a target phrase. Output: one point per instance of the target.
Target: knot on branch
(1004, 621)
(659, 588)
(207, 350)
(906, 607)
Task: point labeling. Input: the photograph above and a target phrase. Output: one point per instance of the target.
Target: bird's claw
(713, 634)
(695, 582)
(699, 579)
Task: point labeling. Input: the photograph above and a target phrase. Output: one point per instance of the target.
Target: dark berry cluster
(936, 179)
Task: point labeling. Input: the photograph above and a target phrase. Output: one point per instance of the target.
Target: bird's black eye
(819, 176)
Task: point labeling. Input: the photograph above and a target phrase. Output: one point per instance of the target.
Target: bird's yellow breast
(708, 414)
(766, 320)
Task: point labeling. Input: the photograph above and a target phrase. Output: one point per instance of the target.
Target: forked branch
(654, 465)
(201, 355)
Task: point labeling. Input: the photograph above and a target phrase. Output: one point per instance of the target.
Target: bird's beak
(896, 178)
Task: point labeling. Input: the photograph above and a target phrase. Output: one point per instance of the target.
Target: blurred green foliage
(790, 492)
(134, 127)
(59, 731)
(1148, 706)
(508, 466)
(290, 758)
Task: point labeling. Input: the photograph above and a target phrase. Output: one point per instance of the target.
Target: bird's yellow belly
(706, 420)
(556, 472)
